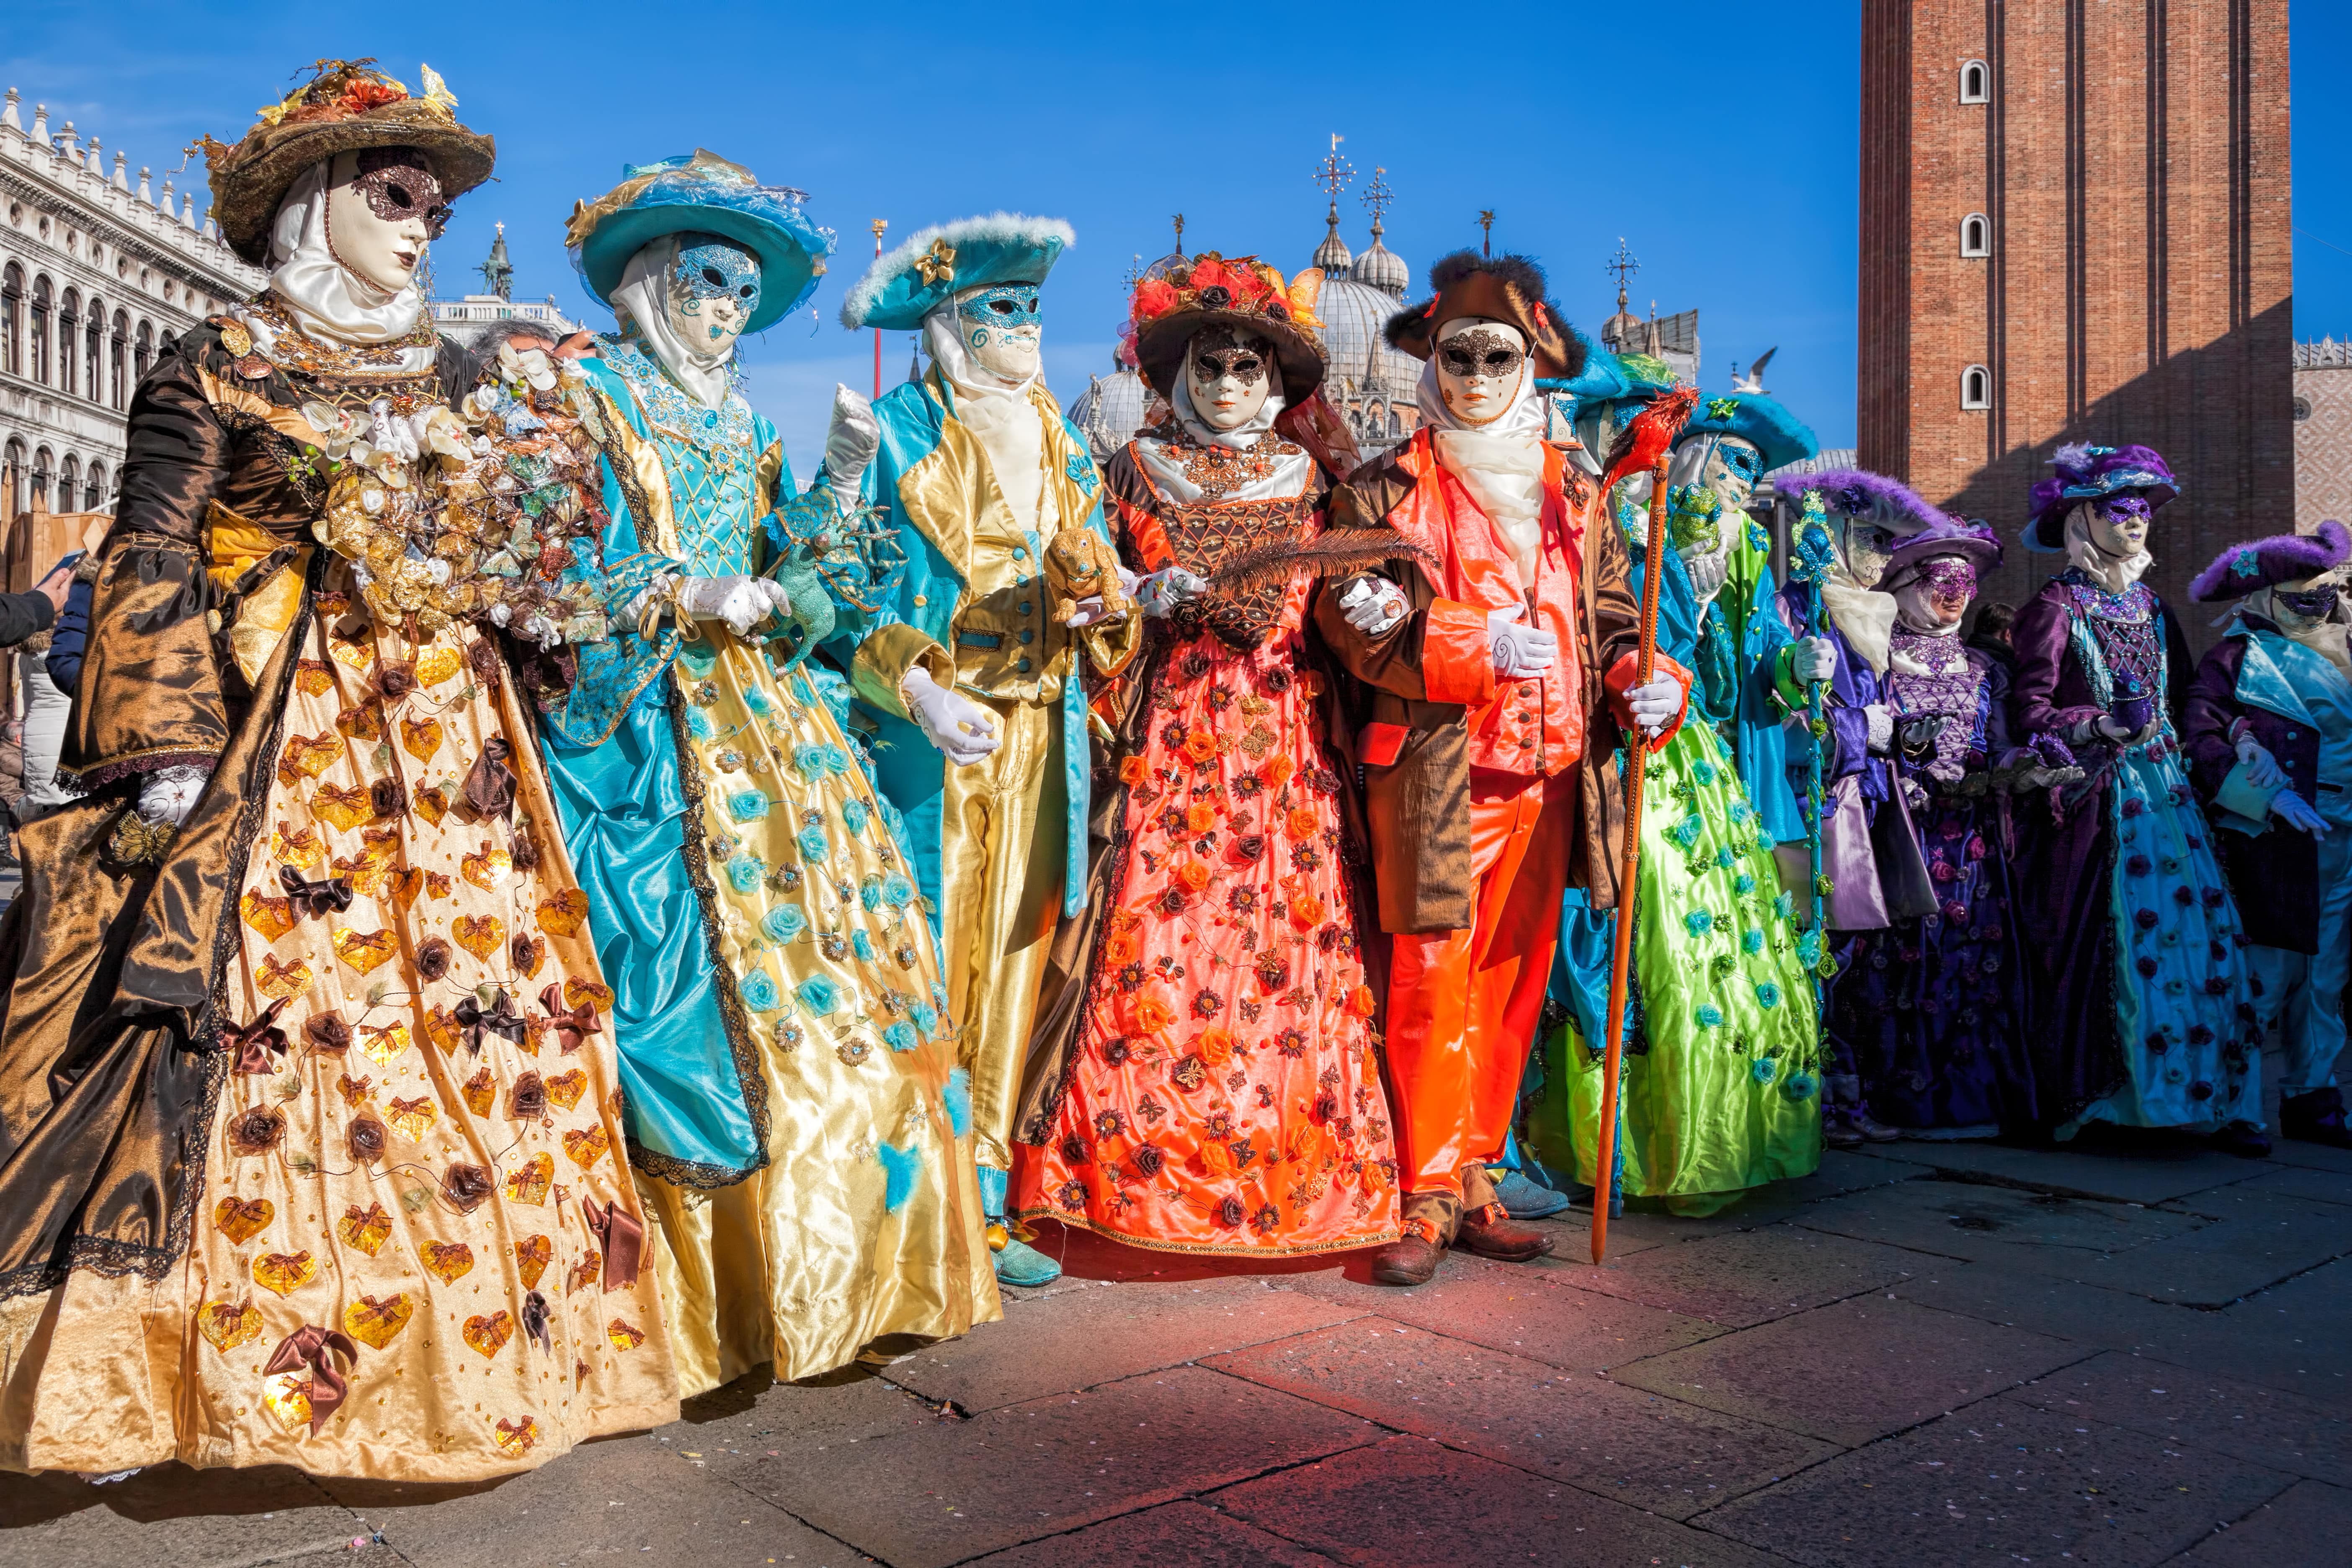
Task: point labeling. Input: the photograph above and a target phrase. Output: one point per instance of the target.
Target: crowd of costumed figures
(551, 912)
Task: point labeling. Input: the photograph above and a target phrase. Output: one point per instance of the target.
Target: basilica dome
(1370, 382)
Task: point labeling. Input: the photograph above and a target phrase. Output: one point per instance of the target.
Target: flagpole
(879, 225)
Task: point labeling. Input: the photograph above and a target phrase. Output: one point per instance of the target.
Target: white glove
(1520, 652)
(1708, 572)
(2261, 768)
(961, 729)
(168, 795)
(1374, 605)
(2289, 808)
(1882, 728)
(1164, 590)
(1086, 612)
(1657, 705)
(1812, 658)
(741, 602)
(850, 444)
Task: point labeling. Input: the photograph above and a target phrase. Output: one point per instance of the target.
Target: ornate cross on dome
(1335, 174)
(1624, 265)
(1376, 197)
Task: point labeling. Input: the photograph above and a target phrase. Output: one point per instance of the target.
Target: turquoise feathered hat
(938, 263)
(702, 193)
(1759, 419)
(1601, 378)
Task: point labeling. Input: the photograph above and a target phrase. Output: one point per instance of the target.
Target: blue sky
(1717, 139)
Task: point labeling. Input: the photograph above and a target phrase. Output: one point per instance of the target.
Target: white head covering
(1011, 428)
(1866, 615)
(1501, 462)
(1291, 470)
(328, 301)
(2111, 573)
(642, 298)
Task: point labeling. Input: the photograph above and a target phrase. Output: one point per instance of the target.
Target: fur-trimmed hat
(2261, 564)
(346, 107)
(2086, 473)
(1860, 494)
(1244, 293)
(1508, 289)
(1974, 541)
(935, 264)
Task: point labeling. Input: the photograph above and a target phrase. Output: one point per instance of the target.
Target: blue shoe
(1018, 1263)
(1523, 1198)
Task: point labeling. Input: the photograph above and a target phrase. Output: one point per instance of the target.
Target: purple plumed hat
(2261, 564)
(1973, 540)
(2087, 472)
(1872, 497)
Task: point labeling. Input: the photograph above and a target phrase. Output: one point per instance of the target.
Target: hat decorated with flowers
(1757, 418)
(2086, 473)
(1973, 541)
(348, 106)
(1507, 288)
(701, 193)
(1242, 293)
(1862, 496)
(2282, 557)
(935, 264)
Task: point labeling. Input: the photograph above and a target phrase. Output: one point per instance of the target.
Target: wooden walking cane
(1649, 439)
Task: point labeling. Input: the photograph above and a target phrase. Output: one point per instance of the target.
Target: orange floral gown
(1223, 1090)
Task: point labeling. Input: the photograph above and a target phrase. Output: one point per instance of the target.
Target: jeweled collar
(283, 343)
(2136, 603)
(667, 407)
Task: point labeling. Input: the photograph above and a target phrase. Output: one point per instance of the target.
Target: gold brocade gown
(327, 1171)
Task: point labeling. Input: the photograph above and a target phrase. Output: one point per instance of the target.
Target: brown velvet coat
(1419, 807)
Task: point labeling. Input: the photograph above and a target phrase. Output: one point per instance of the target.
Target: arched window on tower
(1975, 387)
(1976, 82)
(39, 366)
(12, 320)
(1976, 235)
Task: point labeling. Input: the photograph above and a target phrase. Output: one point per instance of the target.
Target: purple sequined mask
(1949, 577)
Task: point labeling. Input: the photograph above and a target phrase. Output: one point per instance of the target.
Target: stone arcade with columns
(98, 274)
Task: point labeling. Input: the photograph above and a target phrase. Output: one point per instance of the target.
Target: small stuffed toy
(1080, 565)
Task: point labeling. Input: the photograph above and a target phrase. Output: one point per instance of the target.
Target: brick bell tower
(2076, 226)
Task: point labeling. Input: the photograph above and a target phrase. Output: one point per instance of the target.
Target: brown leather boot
(1491, 1233)
(1428, 1224)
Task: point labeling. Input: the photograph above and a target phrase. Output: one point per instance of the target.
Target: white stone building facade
(98, 274)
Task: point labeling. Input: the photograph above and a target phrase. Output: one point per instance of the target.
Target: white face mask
(383, 206)
(1921, 606)
(1480, 364)
(1000, 328)
(1724, 464)
(713, 287)
(1866, 548)
(1228, 377)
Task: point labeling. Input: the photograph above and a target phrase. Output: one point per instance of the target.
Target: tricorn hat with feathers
(1508, 289)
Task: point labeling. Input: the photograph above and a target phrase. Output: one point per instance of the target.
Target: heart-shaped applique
(487, 866)
(532, 1255)
(277, 978)
(443, 1030)
(358, 651)
(584, 1272)
(431, 804)
(420, 738)
(590, 993)
(366, 950)
(353, 1090)
(479, 1091)
(626, 1336)
(586, 1145)
(566, 1087)
(404, 885)
(284, 1273)
(480, 935)
(229, 1324)
(379, 847)
(367, 1231)
(364, 722)
(241, 1221)
(308, 756)
(438, 664)
(345, 808)
(529, 957)
(561, 912)
(273, 918)
(314, 677)
(490, 1335)
(374, 1322)
(413, 1117)
(297, 846)
(384, 1046)
(287, 1397)
(515, 1438)
(439, 884)
(531, 1179)
(448, 1261)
